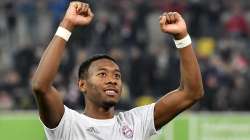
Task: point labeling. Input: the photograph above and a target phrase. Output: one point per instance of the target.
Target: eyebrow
(116, 70)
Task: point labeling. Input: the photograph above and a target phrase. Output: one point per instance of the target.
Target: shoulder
(71, 111)
(68, 115)
(141, 109)
(140, 119)
(137, 112)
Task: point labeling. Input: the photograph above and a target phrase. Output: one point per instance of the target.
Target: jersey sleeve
(145, 116)
(61, 132)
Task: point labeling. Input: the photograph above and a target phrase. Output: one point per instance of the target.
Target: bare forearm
(48, 98)
(191, 80)
(190, 89)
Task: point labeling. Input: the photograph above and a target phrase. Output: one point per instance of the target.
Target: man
(100, 81)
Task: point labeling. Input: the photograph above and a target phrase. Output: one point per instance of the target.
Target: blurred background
(128, 30)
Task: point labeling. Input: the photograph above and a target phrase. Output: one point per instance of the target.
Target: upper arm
(170, 106)
(50, 105)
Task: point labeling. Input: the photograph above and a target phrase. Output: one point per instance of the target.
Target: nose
(111, 80)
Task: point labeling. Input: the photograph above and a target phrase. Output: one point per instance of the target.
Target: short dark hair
(83, 69)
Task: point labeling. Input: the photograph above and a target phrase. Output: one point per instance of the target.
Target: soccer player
(101, 83)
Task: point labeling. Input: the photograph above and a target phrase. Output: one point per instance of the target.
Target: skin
(104, 74)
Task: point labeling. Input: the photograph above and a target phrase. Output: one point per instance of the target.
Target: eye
(102, 74)
(117, 76)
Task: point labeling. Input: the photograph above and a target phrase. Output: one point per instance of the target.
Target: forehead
(103, 64)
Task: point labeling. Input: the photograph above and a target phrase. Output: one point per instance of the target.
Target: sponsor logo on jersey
(93, 130)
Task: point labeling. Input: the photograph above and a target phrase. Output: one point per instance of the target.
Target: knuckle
(72, 4)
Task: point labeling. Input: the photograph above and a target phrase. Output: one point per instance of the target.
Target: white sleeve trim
(154, 130)
(66, 109)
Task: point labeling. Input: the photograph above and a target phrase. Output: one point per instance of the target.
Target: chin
(109, 104)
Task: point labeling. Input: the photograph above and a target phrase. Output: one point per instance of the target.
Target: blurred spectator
(211, 87)
(140, 28)
(237, 25)
(212, 17)
(103, 31)
(57, 9)
(171, 5)
(11, 21)
(205, 47)
(23, 61)
(239, 98)
(196, 9)
(28, 11)
(142, 67)
(167, 73)
(6, 102)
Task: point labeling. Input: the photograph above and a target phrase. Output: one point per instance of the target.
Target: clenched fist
(173, 24)
(78, 13)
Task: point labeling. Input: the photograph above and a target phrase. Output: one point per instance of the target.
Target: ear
(82, 85)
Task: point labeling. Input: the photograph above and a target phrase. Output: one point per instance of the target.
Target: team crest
(127, 132)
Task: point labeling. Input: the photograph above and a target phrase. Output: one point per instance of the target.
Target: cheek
(94, 89)
(94, 93)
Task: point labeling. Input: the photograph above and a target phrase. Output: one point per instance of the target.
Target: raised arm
(191, 89)
(49, 101)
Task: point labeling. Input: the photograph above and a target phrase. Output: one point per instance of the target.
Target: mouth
(111, 92)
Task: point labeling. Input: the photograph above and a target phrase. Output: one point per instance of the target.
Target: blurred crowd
(128, 30)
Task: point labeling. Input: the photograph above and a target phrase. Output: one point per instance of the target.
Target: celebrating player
(101, 83)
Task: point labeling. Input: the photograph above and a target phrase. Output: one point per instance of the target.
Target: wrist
(183, 42)
(67, 24)
(63, 33)
(180, 35)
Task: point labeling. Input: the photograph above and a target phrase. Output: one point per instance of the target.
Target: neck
(98, 112)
